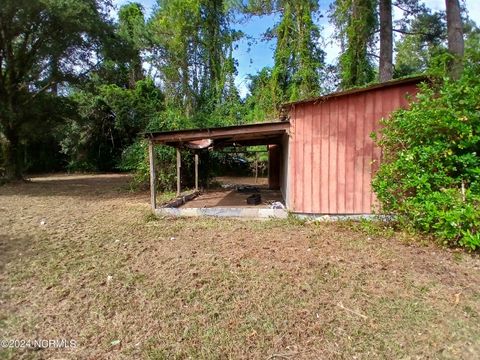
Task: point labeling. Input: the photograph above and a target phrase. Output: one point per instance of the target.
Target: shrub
(430, 173)
(135, 159)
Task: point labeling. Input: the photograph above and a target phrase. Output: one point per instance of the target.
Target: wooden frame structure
(192, 139)
(324, 154)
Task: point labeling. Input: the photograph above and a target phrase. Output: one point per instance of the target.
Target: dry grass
(125, 285)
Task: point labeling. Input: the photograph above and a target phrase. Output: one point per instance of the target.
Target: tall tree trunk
(455, 36)
(386, 41)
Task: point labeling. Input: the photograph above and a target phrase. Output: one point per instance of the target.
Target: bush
(135, 159)
(430, 173)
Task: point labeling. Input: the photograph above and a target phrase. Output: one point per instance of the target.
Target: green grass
(103, 269)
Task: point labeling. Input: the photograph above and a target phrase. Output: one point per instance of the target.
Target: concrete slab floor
(231, 198)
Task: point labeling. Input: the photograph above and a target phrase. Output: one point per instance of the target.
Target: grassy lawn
(81, 258)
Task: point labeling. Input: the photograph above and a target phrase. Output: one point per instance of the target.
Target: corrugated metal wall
(332, 156)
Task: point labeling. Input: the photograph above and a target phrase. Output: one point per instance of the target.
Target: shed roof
(250, 134)
(387, 84)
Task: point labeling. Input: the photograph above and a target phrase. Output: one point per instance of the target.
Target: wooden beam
(153, 181)
(179, 165)
(256, 167)
(243, 131)
(196, 172)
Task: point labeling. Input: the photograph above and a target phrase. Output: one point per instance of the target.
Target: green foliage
(43, 44)
(430, 175)
(298, 58)
(260, 105)
(356, 22)
(192, 47)
(424, 43)
(134, 108)
(135, 159)
(132, 30)
(109, 119)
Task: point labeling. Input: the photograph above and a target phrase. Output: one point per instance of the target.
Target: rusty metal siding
(332, 157)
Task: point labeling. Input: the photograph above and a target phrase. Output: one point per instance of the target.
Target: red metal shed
(321, 155)
(330, 156)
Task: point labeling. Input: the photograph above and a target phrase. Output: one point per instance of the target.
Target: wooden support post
(256, 167)
(179, 165)
(196, 171)
(153, 181)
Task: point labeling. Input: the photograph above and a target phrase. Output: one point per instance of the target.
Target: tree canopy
(83, 85)
(43, 45)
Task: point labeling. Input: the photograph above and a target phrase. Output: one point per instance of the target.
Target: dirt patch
(242, 180)
(82, 258)
(233, 198)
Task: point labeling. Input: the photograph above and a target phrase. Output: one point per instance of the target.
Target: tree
(455, 36)
(116, 102)
(131, 29)
(43, 43)
(109, 118)
(298, 58)
(422, 40)
(386, 41)
(356, 23)
(192, 50)
(259, 103)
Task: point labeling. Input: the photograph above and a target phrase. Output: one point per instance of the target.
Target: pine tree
(386, 41)
(455, 36)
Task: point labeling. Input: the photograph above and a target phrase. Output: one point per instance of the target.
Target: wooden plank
(377, 153)
(359, 156)
(243, 131)
(196, 171)
(324, 158)
(350, 157)
(307, 159)
(256, 167)
(316, 165)
(274, 165)
(341, 154)
(332, 159)
(300, 120)
(368, 154)
(179, 165)
(153, 181)
(292, 163)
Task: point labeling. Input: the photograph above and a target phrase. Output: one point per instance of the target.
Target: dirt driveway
(82, 259)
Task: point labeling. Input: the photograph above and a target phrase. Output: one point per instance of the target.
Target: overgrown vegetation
(430, 174)
(126, 285)
(80, 99)
(356, 22)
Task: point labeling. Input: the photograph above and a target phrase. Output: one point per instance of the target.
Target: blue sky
(259, 54)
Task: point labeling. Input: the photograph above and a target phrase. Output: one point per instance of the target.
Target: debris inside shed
(254, 199)
(247, 189)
